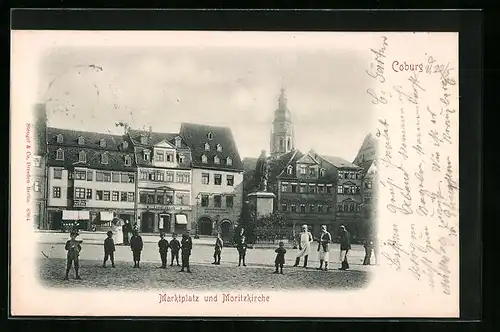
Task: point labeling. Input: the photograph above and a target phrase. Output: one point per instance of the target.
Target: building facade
(164, 185)
(217, 178)
(91, 178)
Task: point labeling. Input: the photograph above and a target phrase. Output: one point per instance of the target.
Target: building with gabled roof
(217, 169)
(90, 178)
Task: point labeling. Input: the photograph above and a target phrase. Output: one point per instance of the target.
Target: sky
(235, 86)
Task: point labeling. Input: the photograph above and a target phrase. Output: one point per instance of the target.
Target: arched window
(81, 140)
(322, 172)
(204, 159)
(289, 169)
(128, 161)
(60, 154)
(146, 155)
(346, 208)
(82, 157)
(352, 207)
(210, 135)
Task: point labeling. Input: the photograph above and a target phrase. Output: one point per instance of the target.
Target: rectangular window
(284, 187)
(57, 173)
(217, 201)
(80, 193)
(116, 177)
(303, 188)
(294, 188)
(293, 208)
(312, 188)
(160, 176)
(115, 196)
(131, 178)
(105, 195)
(169, 199)
(303, 208)
(98, 195)
(56, 192)
(329, 189)
(160, 199)
(130, 196)
(283, 207)
(124, 178)
(151, 176)
(143, 175)
(89, 194)
(151, 199)
(204, 200)
(89, 175)
(303, 170)
(311, 208)
(340, 189)
(70, 175)
(107, 177)
(180, 199)
(160, 156)
(170, 157)
(312, 171)
(321, 189)
(99, 176)
(170, 176)
(218, 179)
(180, 177)
(229, 201)
(80, 175)
(230, 180)
(205, 178)
(320, 208)
(143, 198)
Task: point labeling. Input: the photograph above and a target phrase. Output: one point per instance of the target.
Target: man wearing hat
(324, 247)
(345, 246)
(136, 245)
(73, 246)
(305, 239)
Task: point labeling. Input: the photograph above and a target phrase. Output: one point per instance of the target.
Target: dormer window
(178, 142)
(181, 158)
(82, 157)
(216, 160)
(128, 161)
(210, 135)
(322, 172)
(125, 145)
(81, 140)
(145, 155)
(60, 154)
(229, 161)
(102, 143)
(289, 170)
(204, 159)
(144, 140)
(104, 158)
(60, 138)
(207, 147)
(219, 148)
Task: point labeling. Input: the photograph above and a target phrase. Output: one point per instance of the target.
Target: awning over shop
(83, 215)
(69, 215)
(106, 216)
(181, 219)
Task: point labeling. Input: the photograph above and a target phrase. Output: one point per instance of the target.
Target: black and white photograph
(207, 169)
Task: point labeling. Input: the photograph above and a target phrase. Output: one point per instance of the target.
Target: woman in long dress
(117, 231)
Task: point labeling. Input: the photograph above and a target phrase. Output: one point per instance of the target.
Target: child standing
(242, 250)
(136, 245)
(280, 257)
(174, 249)
(73, 247)
(218, 249)
(163, 248)
(186, 246)
(109, 250)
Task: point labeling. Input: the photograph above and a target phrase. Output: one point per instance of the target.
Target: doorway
(205, 226)
(225, 230)
(147, 222)
(164, 223)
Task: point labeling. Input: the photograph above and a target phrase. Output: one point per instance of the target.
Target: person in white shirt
(305, 240)
(324, 247)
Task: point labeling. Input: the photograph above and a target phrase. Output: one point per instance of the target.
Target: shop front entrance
(147, 222)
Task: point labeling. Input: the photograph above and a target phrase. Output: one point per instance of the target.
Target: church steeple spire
(282, 137)
(282, 99)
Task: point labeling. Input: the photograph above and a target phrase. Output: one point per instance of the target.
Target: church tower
(282, 137)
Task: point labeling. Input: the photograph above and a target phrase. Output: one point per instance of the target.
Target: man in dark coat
(218, 249)
(126, 228)
(163, 248)
(109, 250)
(186, 247)
(136, 245)
(73, 246)
(280, 257)
(345, 246)
(368, 244)
(175, 246)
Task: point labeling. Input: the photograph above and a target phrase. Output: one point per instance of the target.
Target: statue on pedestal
(262, 172)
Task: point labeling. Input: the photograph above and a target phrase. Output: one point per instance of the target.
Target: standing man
(126, 229)
(136, 245)
(324, 247)
(186, 246)
(163, 248)
(345, 246)
(73, 246)
(175, 246)
(305, 240)
(218, 249)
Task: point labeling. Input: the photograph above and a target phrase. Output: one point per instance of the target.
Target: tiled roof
(338, 162)
(196, 135)
(278, 165)
(91, 140)
(116, 159)
(154, 138)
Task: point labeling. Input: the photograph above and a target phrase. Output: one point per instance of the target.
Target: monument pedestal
(261, 202)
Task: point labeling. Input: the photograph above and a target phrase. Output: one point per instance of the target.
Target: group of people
(185, 246)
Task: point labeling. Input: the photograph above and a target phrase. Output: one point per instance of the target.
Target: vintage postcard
(273, 174)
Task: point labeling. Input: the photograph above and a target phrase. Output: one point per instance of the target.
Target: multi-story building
(38, 168)
(164, 181)
(91, 178)
(217, 178)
